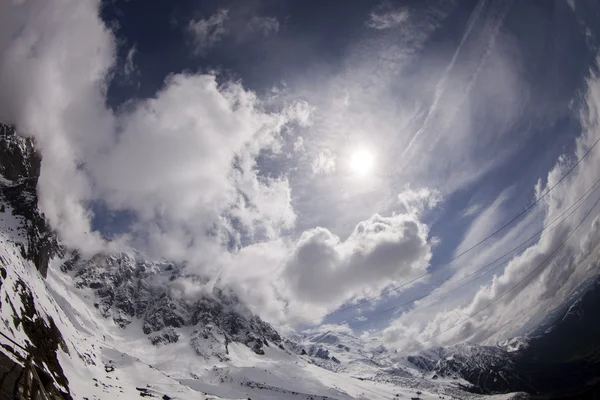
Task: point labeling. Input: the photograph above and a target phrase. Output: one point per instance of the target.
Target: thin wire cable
(518, 283)
(547, 229)
(33, 369)
(528, 207)
(392, 289)
(13, 342)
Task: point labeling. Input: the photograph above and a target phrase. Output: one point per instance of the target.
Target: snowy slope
(279, 373)
(116, 326)
(73, 354)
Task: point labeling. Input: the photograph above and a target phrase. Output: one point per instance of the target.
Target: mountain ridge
(93, 321)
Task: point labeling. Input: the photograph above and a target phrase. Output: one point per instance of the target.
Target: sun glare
(361, 162)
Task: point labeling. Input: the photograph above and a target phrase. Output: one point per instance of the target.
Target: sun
(361, 162)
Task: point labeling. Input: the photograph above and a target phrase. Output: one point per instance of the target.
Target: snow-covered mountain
(479, 369)
(117, 326)
(128, 290)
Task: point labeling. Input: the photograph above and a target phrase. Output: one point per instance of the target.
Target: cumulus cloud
(385, 16)
(302, 280)
(380, 250)
(55, 59)
(185, 158)
(534, 281)
(183, 162)
(207, 32)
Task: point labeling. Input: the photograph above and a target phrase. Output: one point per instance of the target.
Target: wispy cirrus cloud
(207, 32)
(386, 16)
(538, 278)
(265, 25)
(129, 69)
(255, 193)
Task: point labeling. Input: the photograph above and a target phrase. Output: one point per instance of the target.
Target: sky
(332, 163)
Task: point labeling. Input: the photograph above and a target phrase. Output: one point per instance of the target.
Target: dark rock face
(20, 167)
(560, 359)
(319, 352)
(127, 288)
(168, 335)
(45, 337)
(489, 369)
(19, 158)
(19, 172)
(563, 360)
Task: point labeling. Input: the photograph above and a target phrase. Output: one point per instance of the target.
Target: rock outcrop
(20, 166)
(129, 288)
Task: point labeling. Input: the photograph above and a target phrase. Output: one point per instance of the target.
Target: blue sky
(224, 134)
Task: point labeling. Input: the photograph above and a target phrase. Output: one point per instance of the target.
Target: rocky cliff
(128, 288)
(20, 165)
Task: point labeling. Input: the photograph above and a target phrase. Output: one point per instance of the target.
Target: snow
(176, 370)
(105, 361)
(515, 344)
(12, 225)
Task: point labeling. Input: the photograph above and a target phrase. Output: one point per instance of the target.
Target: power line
(549, 228)
(528, 207)
(519, 282)
(13, 342)
(29, 361)
(485, 239)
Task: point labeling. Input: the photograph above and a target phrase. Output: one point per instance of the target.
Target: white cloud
(183, 162)
(300, 111)
(206, 33)
(380, 251)
(324, 162)
(471, 210)
(237, 23)
(298, 145)
(484, 224)
(55, 59)
(385, 16)
(299, 281)
(129, 68)
(533, 282)
(417, 201)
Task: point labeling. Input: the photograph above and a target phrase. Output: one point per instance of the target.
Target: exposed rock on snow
(489, 369)
(128, 289)
(113, 326)
(19, 171)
